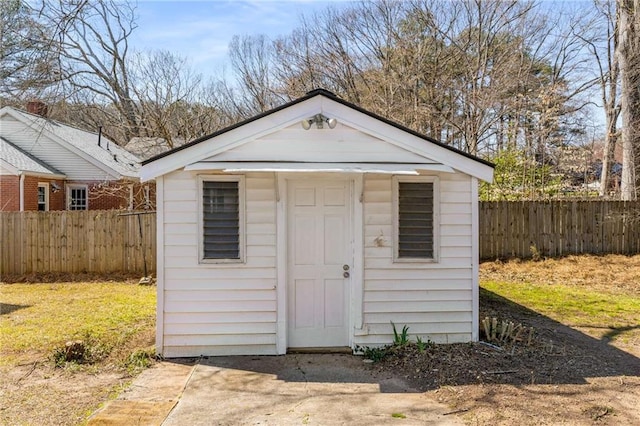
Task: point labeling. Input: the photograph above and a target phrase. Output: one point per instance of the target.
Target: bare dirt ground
(573, 376)
(580, 380)
(37, 393)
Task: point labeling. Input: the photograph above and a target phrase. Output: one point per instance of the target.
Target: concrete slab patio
(320, 389)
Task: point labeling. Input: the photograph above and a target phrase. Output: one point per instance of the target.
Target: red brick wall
(101, 197)
(56, 199)
(9, 193)
(31, 193)
(115, 195)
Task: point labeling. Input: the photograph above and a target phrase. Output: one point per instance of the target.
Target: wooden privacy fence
(109, 241)
(557, 228)
(100, 241)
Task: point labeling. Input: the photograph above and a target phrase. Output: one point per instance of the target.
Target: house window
(43, 197)
(416, 219)
(77, 197)
(222, 219)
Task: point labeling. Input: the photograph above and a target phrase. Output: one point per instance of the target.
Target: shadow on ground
(560, 354)
(7, 308)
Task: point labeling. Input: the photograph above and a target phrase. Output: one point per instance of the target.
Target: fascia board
(231, 139)
(407, 141)
(9, 167)
(43, 175)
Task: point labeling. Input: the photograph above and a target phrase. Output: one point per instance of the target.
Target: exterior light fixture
(319, 121)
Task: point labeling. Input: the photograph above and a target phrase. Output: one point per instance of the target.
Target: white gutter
(22, 191)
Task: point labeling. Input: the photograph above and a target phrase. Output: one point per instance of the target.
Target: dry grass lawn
(115, 321)
(611, 273)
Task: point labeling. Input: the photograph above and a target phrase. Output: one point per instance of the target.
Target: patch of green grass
(139, 360)
(374, 353)
(573, 305)
(37, 318)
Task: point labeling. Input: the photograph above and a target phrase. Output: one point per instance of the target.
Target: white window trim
(436, 218)
(241, 225)
(44, 185)
(77, 186)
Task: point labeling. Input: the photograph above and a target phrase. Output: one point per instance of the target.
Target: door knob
(345, 267)
(345, 274)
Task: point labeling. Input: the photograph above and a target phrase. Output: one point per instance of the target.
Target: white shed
(314, 225)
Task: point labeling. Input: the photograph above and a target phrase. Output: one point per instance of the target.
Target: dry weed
(602, 273)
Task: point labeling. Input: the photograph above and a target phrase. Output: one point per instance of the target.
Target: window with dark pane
(221, 220)
(415, 220)
(42, 198)
(77, 199)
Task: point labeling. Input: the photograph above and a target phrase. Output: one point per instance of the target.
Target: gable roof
(147, 147)
(115, 160)
(23, 162)
(314, 102)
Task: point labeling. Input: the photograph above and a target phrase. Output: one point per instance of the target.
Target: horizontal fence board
(108, 241)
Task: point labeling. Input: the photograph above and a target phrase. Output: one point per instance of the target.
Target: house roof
(108, 155)
(316, 101)
(146, 147)
(23, 162)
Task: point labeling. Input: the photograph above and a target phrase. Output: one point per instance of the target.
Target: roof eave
(483, 170)
(99, 164)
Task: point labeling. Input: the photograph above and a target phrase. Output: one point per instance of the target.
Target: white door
(319, 263)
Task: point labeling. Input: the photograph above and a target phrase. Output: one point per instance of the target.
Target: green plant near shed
(402, 338)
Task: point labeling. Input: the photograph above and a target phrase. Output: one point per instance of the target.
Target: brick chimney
(38, 108)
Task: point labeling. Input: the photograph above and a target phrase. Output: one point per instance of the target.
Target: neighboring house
(314, 225)
(48, 165)
(145, 148)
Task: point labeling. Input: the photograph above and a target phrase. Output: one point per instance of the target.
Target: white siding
(218, 309)
(40, 146)
(342, 144)
(435, 300)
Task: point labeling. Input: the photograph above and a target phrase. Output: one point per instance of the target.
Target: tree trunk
(609, 89)
(608, 157)
(628, 11)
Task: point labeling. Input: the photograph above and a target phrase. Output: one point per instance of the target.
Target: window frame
(241, 218)
(69, 189)
(396, 180)
(44, 185)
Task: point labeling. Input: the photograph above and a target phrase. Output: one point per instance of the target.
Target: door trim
(355, 303)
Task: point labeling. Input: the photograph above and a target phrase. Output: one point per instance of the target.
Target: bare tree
(106, 84)
(93, 50)
(252, 60)
(28, 67)
(167, 93)
(629, 62)
(602, 43)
